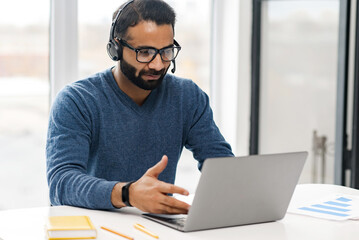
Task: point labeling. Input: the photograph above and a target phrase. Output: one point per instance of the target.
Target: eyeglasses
(147, 54)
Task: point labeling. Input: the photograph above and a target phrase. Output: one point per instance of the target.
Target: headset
(114, 49)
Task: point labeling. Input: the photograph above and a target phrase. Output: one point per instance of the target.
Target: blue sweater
(98, 136)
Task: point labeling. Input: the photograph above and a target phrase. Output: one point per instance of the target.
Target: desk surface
(30, 223)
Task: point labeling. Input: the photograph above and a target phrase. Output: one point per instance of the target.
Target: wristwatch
(126, 195)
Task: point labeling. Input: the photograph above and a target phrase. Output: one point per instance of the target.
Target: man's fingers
(151, 195)
(175, 204)
(171, 210)
(158, 168)
(170, 205)
(170, 188)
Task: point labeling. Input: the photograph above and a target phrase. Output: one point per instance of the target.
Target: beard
(130, 72)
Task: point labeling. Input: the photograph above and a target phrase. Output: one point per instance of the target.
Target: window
(298, 82)
(24, 102)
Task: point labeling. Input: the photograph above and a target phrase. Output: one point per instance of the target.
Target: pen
(143, 229)
(120, 234)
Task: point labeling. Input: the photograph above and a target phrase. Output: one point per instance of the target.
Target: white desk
(29, 223)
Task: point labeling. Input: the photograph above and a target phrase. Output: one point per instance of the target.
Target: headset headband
(112, 32)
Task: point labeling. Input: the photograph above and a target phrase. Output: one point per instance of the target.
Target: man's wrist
(116, 195)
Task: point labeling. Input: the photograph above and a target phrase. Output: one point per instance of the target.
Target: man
(114, 139)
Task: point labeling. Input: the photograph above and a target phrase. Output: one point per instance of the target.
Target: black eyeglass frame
(160, 51)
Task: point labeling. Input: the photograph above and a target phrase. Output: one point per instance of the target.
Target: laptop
(235, 191)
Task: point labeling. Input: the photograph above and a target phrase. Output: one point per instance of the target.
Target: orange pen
(120, 234)
(144, 230)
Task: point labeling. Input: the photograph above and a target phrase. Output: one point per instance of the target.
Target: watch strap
(125, 194)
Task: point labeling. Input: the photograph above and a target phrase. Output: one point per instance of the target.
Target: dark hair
(157, 11)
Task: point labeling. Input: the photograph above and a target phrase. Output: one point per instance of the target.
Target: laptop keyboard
(176, 221)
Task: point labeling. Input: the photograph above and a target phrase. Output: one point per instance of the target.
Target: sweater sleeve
(204, 138)
(67, 153)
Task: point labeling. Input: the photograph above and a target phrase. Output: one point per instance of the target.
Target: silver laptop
(236, 191)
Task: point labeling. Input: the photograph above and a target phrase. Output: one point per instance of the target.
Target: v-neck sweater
(98, 136)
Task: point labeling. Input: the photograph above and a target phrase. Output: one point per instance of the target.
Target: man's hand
(150, 195)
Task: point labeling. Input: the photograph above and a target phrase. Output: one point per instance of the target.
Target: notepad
(70, 227)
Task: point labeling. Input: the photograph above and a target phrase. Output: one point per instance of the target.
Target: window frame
(63, 44)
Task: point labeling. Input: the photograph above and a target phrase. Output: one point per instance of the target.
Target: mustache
(153, 72)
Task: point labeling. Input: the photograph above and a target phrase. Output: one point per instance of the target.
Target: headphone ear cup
(114, 50)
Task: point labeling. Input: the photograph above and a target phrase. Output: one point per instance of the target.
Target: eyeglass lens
(148, 54)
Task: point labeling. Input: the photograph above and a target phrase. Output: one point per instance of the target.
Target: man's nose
(156, 63)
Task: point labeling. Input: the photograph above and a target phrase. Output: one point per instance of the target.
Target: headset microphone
(174, 66)
(173, 61)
